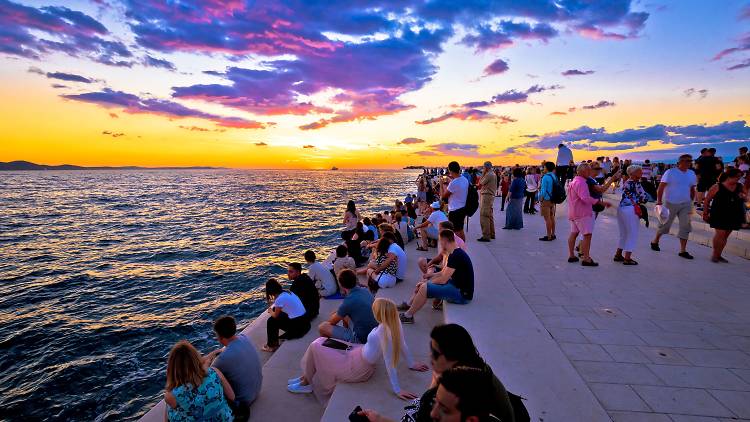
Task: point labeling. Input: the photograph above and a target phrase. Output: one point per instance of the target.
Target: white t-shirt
(401, 255)
(459, 188)
(531, 184)
(564, 156)
(323, 278)
(678, 186)
(290, 303)
(436, 218)
(607, 166)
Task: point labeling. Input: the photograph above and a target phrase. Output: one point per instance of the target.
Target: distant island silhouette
(29, 166)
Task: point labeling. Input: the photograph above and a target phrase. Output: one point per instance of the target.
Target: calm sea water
(102, 271)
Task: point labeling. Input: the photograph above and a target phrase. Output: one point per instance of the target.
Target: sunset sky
(370, 84)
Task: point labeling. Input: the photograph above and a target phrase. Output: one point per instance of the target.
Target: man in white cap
(429, 228)
(487, 188)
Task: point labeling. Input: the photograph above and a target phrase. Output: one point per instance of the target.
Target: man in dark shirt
(304, 287)
(454, 283)
(707, 171)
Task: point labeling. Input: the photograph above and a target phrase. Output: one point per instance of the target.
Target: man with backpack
(488, 186)
(551, 193)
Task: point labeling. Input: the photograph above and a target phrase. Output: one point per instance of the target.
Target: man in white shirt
(429, 228)
(564, 158)
(677, 191)
(455, 193)
(322, 276)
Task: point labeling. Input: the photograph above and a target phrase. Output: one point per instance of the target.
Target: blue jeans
(447, 292)
(345, 334)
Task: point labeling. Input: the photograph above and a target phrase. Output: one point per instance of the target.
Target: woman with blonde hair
(194, 392)
(629, 214)
(329, 362)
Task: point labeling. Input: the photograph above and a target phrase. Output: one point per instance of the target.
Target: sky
(370, 84)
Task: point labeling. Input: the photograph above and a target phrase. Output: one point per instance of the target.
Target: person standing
(727, 210)
(581, 215)
(564, 158)
(504, 189)
(629, 214)
(548, 208)
(455, 193)
(514, 214)
(677, 191)
(532, 185)
(487, 188)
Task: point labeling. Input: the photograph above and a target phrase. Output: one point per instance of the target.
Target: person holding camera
(455, 192)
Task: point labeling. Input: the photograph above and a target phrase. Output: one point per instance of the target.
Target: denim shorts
(345, 334)
(432, 232)
(446, 291)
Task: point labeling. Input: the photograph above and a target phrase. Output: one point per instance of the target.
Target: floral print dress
(205, 403)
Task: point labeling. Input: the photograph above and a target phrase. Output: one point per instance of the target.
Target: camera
(356, 417)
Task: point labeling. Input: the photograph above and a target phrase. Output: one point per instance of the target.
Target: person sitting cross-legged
(355, 312)
(454, 282)
(429, 228)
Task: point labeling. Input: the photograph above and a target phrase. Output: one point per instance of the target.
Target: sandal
(421, 249)
(619, 258)
(573, 259)
(629, 262)
(437, 305)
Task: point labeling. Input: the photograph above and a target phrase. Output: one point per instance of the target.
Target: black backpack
(558, 194)
(472, 200)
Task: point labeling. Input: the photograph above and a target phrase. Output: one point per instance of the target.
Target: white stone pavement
(667, 340)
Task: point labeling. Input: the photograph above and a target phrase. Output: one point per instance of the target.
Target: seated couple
(323, 367)
(219, 386)
(387, 264)
(429, 229)
(454, 281)
(463, 386)
(292, 310)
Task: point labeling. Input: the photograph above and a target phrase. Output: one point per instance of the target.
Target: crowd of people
(371, 256)
(365, 329)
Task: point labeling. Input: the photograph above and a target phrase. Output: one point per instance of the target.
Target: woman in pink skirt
(324, 367)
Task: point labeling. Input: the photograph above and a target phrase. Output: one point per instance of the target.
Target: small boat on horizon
(334, 168)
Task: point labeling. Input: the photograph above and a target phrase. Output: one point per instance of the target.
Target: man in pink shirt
(581, 215)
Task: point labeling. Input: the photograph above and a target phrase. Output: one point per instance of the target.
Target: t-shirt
(240, 364)
(707, 167)
(564, 156)
(436, 218)
(305, 289)
(463, 275)
(678, 186)
(459, 188)
(357, 305)
(401, 255)
(291, 304)
(323, 278)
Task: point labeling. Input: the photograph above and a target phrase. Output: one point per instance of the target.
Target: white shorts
(385, 280)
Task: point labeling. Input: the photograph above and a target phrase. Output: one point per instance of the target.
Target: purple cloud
(31, 32)
(467, 114)
(742, 45)
(135, 105)
(514, 96)
(497, 67)
(700, 93)
(600, 104)
(411, 141)
(504, 34)
(686, 135)
(69, 77)
(149, 61)
(576, 72)
(741, 65)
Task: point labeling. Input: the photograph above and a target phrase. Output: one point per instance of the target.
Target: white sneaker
(300, 389)
(294, 381)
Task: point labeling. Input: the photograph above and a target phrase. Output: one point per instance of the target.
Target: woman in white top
(324, 367)
(287, 313)
(532, 185)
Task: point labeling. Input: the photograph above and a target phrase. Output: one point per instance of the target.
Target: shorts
(547, 209)
(457, 217)
(583, 225)
(432, 232)
(385, 280)
(705, 183)
(446, 291)
(344, 334)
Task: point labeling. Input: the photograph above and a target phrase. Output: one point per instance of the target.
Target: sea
(101, 272)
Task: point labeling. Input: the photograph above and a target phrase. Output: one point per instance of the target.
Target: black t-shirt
(304, 287)
(707, 166)
(463, 276)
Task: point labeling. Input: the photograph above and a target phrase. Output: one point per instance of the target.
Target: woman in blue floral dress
(195, 393)
(628, 215)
